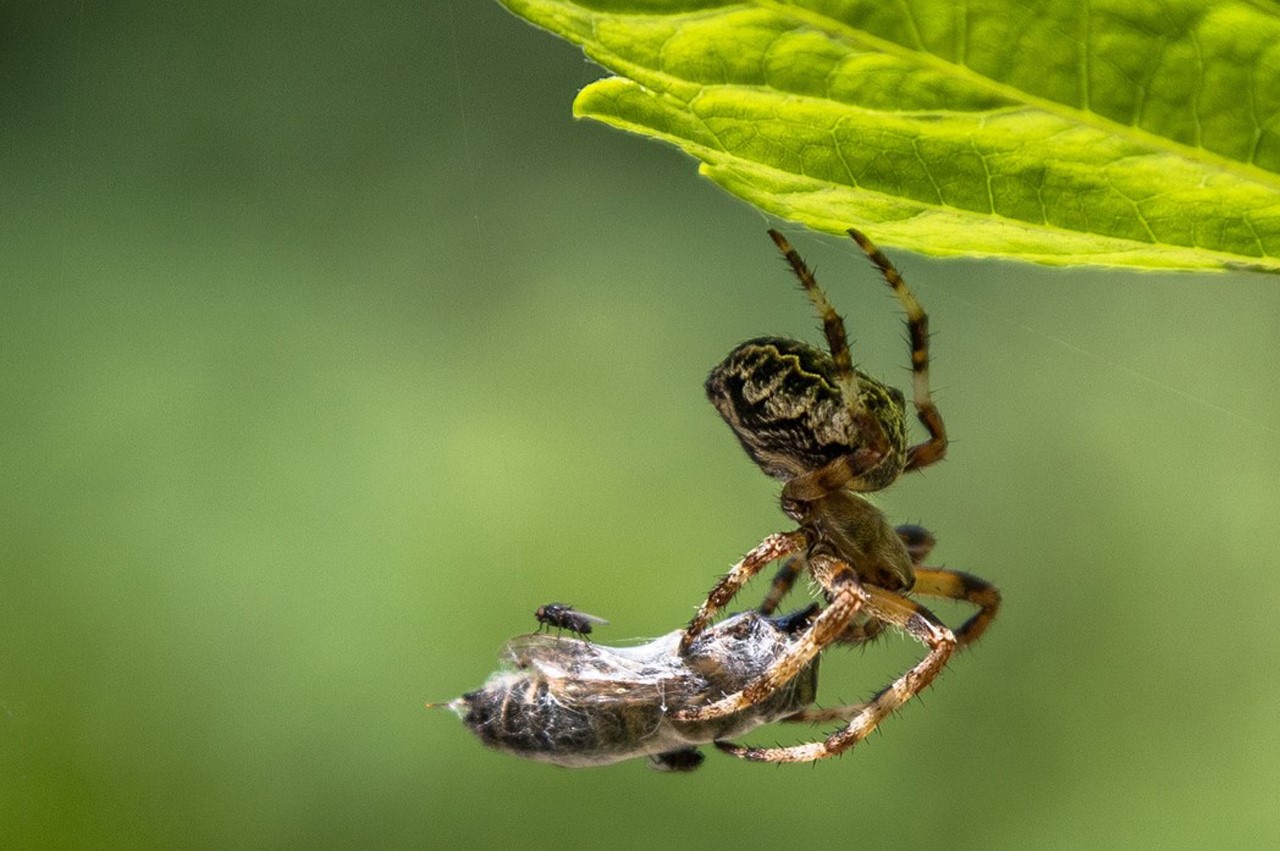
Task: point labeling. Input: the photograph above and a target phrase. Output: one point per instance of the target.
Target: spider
(831, 433)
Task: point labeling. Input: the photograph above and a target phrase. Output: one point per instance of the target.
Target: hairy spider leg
(783, 581)
(957, 585)
(950, 584)
(845, 470)
(907, 615)
(935, 448)
(821, 715)
(858, 632)
(770, 549)
(847, 596)
(832, 328)
(918, 540)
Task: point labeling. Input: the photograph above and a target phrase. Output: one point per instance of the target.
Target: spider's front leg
(847, 596)
(770, 549)
(906, 615)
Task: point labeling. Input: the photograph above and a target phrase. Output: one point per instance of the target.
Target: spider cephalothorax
(831, 432)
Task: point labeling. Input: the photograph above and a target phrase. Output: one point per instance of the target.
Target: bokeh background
(331, 345)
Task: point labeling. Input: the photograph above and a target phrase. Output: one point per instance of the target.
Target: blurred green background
(331, 346)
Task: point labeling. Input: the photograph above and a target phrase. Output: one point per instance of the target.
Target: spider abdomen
(782, 400)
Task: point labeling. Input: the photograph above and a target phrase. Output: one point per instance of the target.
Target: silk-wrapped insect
(577, 704)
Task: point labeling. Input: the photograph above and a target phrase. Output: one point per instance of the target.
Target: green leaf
(1120, 132)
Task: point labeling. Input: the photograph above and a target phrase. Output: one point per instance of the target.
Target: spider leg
(770, 549)
(906, 615)
(932, 450)
(821, 715)
(950, 584)
(857, 632)
(838, 343)
(850, 471)
(847, 594)
(783, 581)
(955, 585)
(832, 324)
(918, 540)
(862, 631)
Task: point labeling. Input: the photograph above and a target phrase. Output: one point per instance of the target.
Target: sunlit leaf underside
(1142, 133)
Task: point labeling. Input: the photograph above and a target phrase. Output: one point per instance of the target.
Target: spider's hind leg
(832, 325)
(838, 343)
(932, 450)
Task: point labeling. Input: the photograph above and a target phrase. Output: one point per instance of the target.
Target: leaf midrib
(840, 30)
